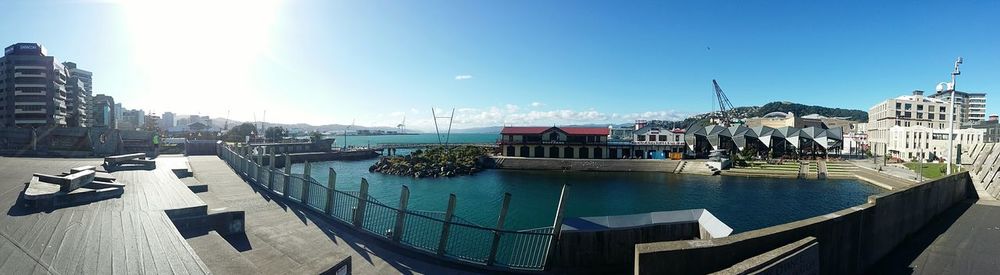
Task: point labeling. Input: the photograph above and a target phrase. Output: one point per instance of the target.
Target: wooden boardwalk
(127, 235)
(282, 238)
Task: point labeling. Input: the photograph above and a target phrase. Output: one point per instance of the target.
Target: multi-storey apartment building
(32, 87)
(81, 89)
(970, 107)
(77, 100)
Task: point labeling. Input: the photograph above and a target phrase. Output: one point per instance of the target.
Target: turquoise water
(742, 203)
(419, 138)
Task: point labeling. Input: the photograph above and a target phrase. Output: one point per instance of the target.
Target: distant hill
(802, 109)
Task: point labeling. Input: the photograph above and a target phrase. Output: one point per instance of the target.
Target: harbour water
(742, 203)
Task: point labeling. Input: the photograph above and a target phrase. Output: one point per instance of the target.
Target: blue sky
(508, 62)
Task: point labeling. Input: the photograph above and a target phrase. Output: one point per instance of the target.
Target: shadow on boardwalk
(308, 242)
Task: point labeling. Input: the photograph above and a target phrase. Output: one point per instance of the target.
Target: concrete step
(218, 251)
(195, 185)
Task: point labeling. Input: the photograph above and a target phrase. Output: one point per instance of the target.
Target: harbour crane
(725, 107)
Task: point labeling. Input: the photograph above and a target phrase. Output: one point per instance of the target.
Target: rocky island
(434, 162)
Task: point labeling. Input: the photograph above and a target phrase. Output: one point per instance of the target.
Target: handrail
(521, 248)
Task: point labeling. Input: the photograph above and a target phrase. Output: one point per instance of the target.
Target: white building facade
(919, 143)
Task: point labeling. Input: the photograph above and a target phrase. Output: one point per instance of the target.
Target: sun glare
(199, 49)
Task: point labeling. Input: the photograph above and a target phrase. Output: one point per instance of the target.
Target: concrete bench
(98, 175)
(68, 182)
(138, 159)
(79, 186)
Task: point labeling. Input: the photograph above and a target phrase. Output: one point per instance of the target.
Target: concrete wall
(983, 162)
(606, 244)
(851, 239)
(611, 165)
(69, 141)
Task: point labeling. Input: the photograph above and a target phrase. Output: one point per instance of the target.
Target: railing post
(331, 185)
(496, 233)
(270, 171)
(404, 199)
(305, 182)
(359, 212)
(260, 166)
(288, 175)
(447, 224)
(556, 226)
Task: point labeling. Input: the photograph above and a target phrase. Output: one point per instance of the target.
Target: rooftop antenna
(437, 129)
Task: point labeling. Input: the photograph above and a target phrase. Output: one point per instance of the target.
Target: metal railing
(440, 234)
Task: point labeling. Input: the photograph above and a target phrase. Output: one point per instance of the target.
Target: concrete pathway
(283, 239)
(962, 240)
(894, 170)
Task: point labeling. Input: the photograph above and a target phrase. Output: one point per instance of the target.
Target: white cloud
(463, 77)
(537, 104)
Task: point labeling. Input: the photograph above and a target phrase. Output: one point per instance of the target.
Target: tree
(239, 132)
(275, 133)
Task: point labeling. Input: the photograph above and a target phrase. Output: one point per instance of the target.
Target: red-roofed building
(555, 142)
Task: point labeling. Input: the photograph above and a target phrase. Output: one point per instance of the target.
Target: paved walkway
(962, 240)
(282, 239)
(895, 170)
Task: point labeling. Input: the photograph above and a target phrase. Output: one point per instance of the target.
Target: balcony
(22, 111)
(20, 74)
(18, 85)
(39, 92)
(28, 67)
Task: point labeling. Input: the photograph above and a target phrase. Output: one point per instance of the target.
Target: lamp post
(951, 116)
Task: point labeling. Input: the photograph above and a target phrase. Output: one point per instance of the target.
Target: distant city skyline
(515, 63)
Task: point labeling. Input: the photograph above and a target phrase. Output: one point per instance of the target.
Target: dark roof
(602, 131)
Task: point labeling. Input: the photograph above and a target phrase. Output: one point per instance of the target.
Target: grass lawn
(930, 170)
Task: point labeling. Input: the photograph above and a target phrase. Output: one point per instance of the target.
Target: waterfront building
(914, 110)
(992, 128)
(119, 113)
(856, 140)
(102, 112)
(32, 87)
(151, 123)
(917, 143)
(650, 141)
(167, 121)
(970, 107)
(763, 139)
(782, 119)
(554, 142)
(621, 133)
(132, 119)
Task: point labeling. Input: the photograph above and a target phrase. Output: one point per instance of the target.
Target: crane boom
(724, 105)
